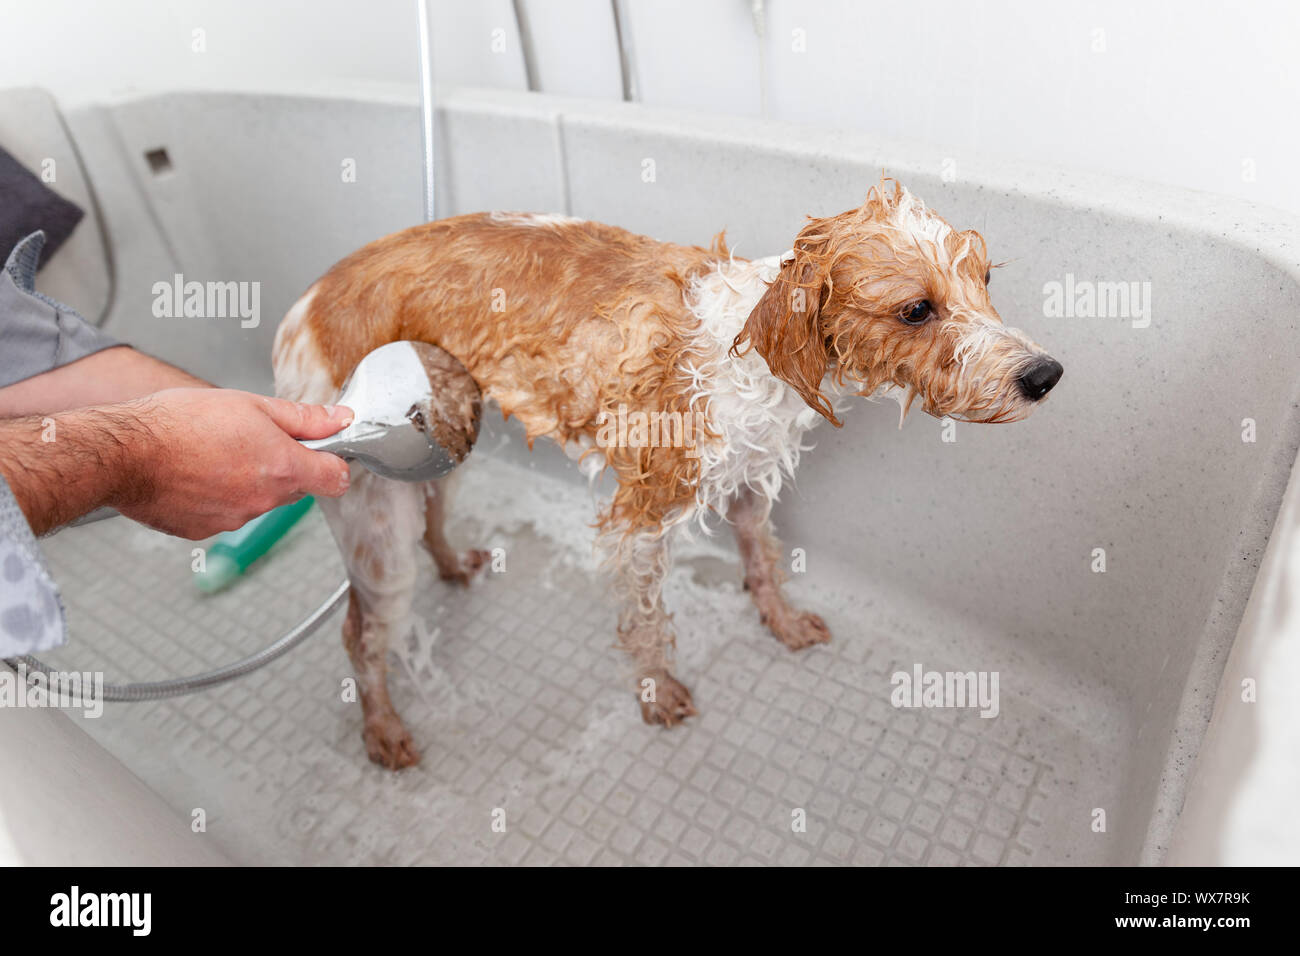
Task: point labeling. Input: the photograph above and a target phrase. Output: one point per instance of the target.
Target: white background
(1199, 94)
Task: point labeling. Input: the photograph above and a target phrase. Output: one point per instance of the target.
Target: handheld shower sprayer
(415, 417)
(416, 413)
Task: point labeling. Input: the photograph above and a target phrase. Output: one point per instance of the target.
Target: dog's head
(890, 295)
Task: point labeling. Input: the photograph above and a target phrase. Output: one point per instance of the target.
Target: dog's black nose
(1037, 380)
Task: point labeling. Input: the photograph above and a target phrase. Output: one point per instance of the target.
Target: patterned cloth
(31, 614)
(36, 335)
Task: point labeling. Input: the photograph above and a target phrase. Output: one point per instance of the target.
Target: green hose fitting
(233, 551)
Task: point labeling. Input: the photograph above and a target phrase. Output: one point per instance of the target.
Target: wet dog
(721, 364)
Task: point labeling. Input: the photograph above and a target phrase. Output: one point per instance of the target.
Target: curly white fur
(760, 419)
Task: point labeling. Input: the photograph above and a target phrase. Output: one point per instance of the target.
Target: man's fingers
(308, 421)
(320, 473)
(315, 472)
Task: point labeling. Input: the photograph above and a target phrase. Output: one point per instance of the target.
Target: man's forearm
(62, 466)
(188, 461)
(113, 375)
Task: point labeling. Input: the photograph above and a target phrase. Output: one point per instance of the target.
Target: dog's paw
(469, 565)
(800, 630)
(389, 745)
(672, 701)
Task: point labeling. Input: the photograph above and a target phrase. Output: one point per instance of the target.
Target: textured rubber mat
(533, 748)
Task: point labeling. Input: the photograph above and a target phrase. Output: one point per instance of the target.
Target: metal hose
(177, 686)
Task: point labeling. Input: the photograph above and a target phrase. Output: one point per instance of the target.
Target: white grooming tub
(979, 554)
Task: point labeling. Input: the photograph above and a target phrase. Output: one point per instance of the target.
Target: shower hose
(156, 690)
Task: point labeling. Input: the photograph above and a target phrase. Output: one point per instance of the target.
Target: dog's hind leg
(458, 567)
(376, 525)
(645, 629)
(760, 553)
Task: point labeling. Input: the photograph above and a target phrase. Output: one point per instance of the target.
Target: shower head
(416, 413)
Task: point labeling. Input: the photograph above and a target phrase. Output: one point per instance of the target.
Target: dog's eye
(987, 276)
(916, 313)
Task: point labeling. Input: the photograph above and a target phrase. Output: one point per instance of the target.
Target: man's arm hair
(187, 461)
(62, 466)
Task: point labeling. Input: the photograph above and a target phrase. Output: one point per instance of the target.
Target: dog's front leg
(760, 553)
(645, 628)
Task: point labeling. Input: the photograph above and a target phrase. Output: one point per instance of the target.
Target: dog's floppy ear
(785, 327)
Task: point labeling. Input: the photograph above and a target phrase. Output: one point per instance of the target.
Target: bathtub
(1097, 558)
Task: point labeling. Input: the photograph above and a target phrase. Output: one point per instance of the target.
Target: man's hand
(188, 461)
(217, 458)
